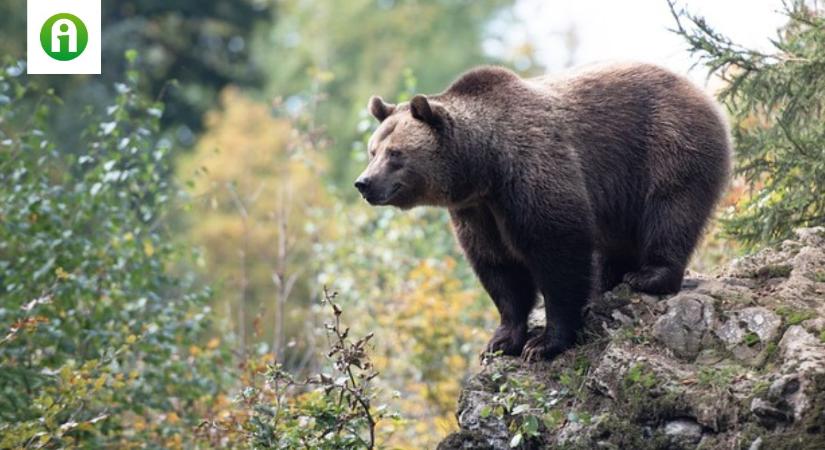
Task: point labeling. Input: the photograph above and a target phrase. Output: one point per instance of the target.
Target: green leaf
(485, 412)
(516, 440)
(130, 55)
(519, 409)
(553, 419)
(530, 425)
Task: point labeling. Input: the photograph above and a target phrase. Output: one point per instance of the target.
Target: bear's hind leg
(613, 265)
(669, 232)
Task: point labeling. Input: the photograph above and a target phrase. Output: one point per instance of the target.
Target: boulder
(734, 360)
(686, 324)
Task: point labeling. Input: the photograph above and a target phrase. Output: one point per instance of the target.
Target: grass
(794, 316)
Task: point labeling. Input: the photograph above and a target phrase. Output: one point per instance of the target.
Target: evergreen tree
(777, 104)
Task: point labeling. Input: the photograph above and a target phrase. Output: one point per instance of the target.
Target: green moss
(462, 440)
(751, 339)
(819, 276)
(808, 434)
(624, 434)
(760, 388)
(717, 377)
(637, 399)
(640, 374)
(792, 441)
(631, 334)
(617, 433)
(799, 317)
(794, 316)
(770, 351)
(623, 292)
(775, 271)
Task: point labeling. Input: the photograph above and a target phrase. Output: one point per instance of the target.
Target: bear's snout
(377, 191)
(363, 185)
(367, 189)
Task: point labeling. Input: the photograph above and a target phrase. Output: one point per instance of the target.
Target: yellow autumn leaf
(61, 274)
(174, 441)
(101, 380)
(213, 343)
(131, 339)
(148, 248)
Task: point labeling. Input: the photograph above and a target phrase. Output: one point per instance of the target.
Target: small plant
(774, 271)
(794, 316)
(717, 378)
(751, 339)
(632, 334)
(529, 408)
(770, 350)
(325, 411)
(525, 405)
(819, 276)
(640, 375)
(760, 388)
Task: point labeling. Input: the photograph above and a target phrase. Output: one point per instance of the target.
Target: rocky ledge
(736, 360)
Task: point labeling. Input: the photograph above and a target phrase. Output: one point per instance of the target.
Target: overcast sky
(637, 29)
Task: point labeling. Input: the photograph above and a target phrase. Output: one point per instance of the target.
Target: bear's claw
(655, 280)
(509, 340)
(542, 347)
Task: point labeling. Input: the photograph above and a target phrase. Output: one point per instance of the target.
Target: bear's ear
(379, 109)
(421, 110)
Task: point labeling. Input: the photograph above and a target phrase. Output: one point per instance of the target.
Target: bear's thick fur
(558, 184)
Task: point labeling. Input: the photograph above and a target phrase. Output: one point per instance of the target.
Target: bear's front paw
(544, 346)
(508, 340)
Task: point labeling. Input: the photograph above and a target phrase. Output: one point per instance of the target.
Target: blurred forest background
(173, 232)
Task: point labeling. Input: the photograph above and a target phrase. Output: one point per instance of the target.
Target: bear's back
(640, 131)
(481, 81)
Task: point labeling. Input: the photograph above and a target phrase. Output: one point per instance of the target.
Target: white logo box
(38, 12)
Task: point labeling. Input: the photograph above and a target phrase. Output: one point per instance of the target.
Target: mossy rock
(464, 440)
(617, 433)
(775, 271)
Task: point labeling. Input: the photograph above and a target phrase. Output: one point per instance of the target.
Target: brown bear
(558, 184)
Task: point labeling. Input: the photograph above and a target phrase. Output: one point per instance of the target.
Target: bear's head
(407, 164)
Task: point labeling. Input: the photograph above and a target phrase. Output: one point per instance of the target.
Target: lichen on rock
(736, 360)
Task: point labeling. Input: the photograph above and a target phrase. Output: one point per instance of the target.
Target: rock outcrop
(734, 361)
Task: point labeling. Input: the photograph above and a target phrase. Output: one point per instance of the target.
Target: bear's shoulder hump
(481, 80)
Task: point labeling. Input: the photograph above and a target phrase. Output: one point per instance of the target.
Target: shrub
(100, 345)
(331, 409)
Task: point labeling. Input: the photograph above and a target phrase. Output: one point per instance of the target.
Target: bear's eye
(394, 154)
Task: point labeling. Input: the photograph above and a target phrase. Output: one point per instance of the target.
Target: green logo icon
(64, 37)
